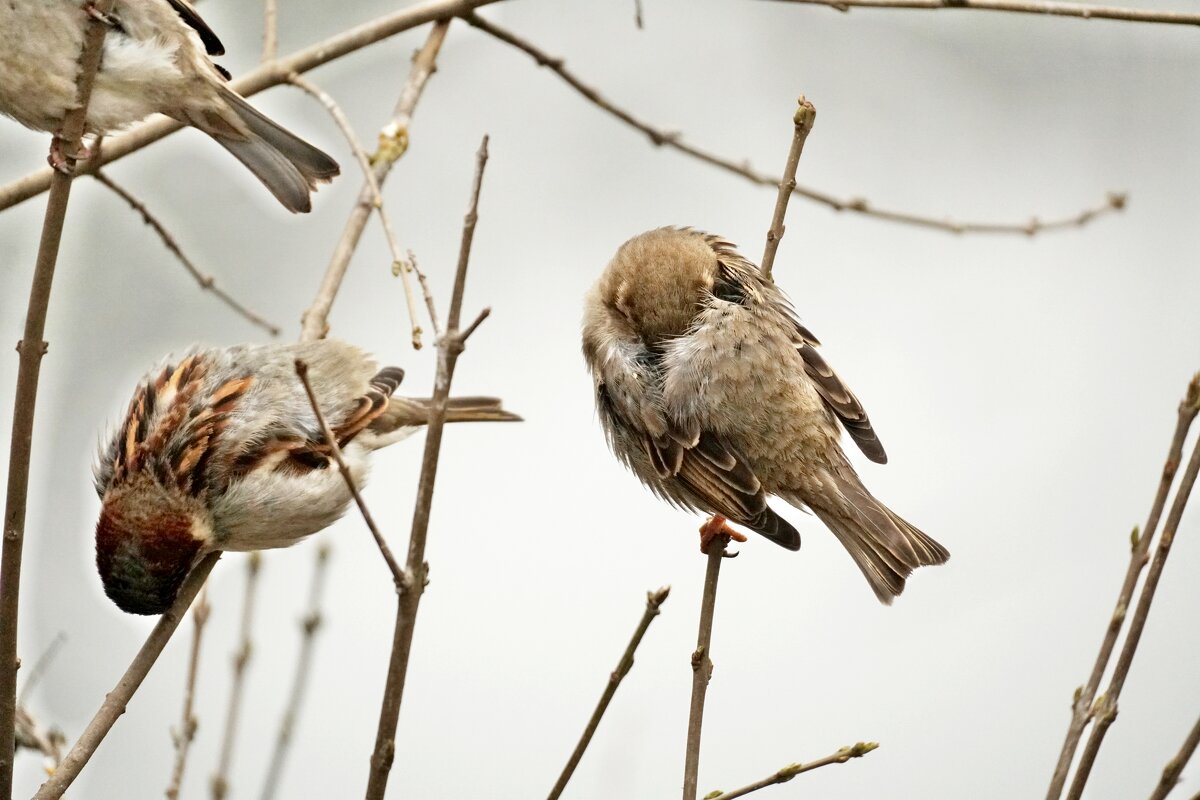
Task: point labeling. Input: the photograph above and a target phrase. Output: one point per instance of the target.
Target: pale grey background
(1025, 389)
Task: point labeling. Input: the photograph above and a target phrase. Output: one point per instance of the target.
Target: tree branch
(792, 770)
(31, 349)
(450, 346)
(654, 601)
(400, 265)
(116, 700)
(205, 281)
(802, 121)
(187, 720)
(256, 80)
(1105, 707)
(393, 140)
(308, 627)
(1047, 7)
(270, 30)
(219, 782)
(1174, 767)
(1082, 706)
(662, 138)
(398, 576)
(702, 665)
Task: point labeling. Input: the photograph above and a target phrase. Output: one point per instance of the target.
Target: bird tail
(408, 412)
(885, 547)
(287, 165)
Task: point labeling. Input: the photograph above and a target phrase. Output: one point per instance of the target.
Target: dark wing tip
(778, 530)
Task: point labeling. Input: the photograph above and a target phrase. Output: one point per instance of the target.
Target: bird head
(147, 540)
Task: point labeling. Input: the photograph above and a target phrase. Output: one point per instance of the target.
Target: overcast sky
(1025, 389)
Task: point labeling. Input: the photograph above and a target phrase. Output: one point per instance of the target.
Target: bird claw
(90, 9)
(63, 161)
(713, 530)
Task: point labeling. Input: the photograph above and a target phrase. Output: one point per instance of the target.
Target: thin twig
(360, 155)
(792, 770)
(116, 700)
(802, 122)
(270, 30)
(40, 666)
(654, 601)
(1174, 767)
(187, 720)
(1105, 709)
(1047, 7)
(429, 306)
(31, 349)
(393, 138)
(219, 782)
(309, 626)
(663, 138)
(1082, 705)
(397, 573)
(450, 346)
(204, 280)
(251, 83)
(637, 14)
(702, 665)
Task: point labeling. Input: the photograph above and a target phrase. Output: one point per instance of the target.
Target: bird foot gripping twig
(63, 160)
(712, 531)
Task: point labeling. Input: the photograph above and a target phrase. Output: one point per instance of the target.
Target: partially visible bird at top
(155, 59)
(711, 391)
(220, 450)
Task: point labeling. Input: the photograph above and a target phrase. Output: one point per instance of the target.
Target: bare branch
(32, 735)
(308, 628)
(802, 122)
(398, 257)
(1105, 707)
(858, 205)
(263, 77)
(654, 601)
(702, 665)
(450, 346)
(187, 720)
(1174, 767)
(1047, 7)
(205, 281)
(40, 666)
(116, 700)
(219, 782)
(433, 317)
(792, 770)
(270, 30)
(1082, 706)
(393, 142)
(31, 349)
(397, 573)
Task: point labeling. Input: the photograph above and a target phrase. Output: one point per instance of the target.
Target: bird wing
(212, 45)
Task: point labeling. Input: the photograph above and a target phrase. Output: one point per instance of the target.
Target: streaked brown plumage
(715, 396)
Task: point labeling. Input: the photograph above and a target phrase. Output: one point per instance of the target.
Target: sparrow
(711, 391)
(155, 59)
(220, 450)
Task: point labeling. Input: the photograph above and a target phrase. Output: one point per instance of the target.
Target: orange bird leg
(714, 528)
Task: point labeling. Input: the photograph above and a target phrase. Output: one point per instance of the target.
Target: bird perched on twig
(155, 59)
(714, 395)
(221, 450)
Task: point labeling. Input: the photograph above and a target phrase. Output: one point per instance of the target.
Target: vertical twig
(702, 666)
(1082, 708)
(450, 346)
(654, 601)
(1105, 708)
(308, 627)
(270, 30)
(187, 720)
(115, 701)
(393, 142)
(803, 121)
(219, 782)
(1174, 767)
(31, 348)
